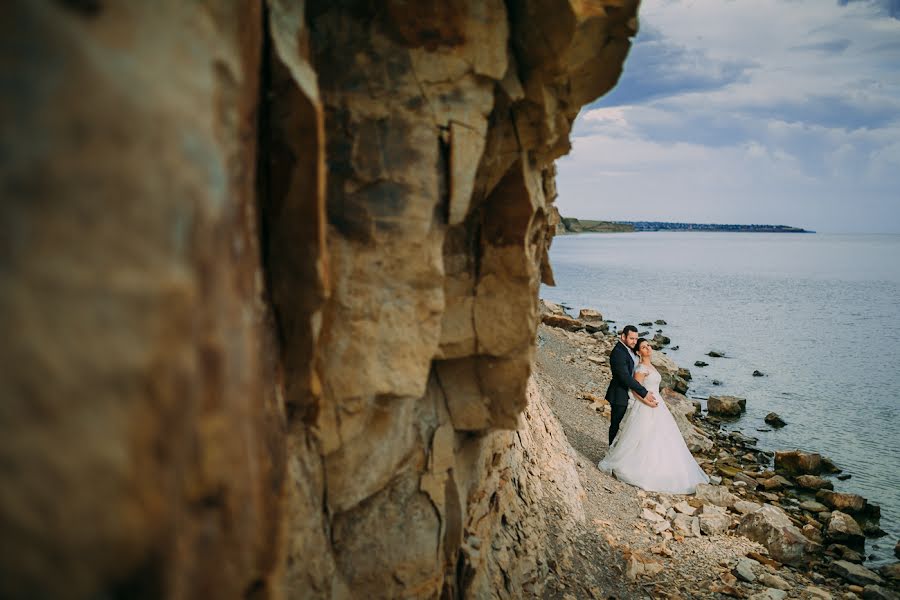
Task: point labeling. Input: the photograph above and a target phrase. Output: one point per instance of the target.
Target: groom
(621, 362)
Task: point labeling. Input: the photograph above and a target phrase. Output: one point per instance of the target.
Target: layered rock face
(270, 292)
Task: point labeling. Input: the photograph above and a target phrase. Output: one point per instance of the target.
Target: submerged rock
(700, 363)
(774, 420)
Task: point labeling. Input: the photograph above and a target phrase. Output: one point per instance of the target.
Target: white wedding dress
(649, 451)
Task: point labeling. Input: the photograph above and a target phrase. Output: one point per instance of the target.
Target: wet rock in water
(772, 528)
(758, 374)
(854, 573)
(876, 592)
(716, 382)
(842, 552)
(739, 438)
(849, 503)
(660, 322)
(844, 477)
(775, 483)
(726, 406)
(774, 420)
(813, 482)
(646, 324)
(674, 348)
(897, 549)
(662, 339)
(842, 528)
(891, 572)
(700, 363)
(643, 333)
(797, 462)
(714, 354)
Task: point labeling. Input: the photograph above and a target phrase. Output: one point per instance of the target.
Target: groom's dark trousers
(622, 366)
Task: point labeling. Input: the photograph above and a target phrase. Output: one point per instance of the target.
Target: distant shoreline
(569, 225)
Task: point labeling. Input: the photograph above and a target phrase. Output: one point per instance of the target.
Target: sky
(747, 111)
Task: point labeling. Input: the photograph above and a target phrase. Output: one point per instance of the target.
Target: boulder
(686, 526)
(891, 572)
(745, 569)
(561, 321)
(750, 482)
(842, 552)
(714, 523)
(797, 462)
(715, 494)
(772, 528)
(551, 308)
(813, 482)
(876, 592)
(589, 315)
(660, 322)
(684, 374)
(726, 406)
(774, 420)
(842, 528)
(745, 507)
(813, 532)
(646, 324)
(680, 385)
(849, 503)
(661, 339)
(854, 573)
(813, 506)
(700, 363)
(775, 483)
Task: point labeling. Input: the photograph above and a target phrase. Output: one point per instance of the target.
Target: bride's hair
(637, 344)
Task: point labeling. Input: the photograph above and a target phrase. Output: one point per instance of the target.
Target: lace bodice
(653, 379)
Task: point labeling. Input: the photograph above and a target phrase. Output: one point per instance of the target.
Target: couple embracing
(646, 448)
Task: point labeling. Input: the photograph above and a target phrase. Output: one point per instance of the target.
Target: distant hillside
(573, 225)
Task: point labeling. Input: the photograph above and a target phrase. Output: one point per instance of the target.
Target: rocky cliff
(269, 292)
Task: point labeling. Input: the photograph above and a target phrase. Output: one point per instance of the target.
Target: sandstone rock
(891, 572)
(854, 573)
(745, 569)
(686, 525)
(562, 321)
(815, 593)
(842, 528)
(714, 523)
(876, 592)
(849, 503)
(813, 482)
(795, 462)
(768, 594)
(726, 406)
(715, 494)
(813, 533)
(844, 553)
(552, 308)
(772, 528)
(684, 508)
(775, 483)
(774, 420)
(589, 315)
(813, 506)
(745, 507)
(774, 581)
(684, 374)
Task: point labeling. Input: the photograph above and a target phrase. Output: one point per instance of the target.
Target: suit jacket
(622, 366)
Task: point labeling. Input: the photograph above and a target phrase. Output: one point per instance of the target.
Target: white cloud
(762, 111)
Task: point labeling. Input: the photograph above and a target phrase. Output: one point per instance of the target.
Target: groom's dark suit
(622, 366)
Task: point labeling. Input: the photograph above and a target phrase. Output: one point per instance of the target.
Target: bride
(649, 451)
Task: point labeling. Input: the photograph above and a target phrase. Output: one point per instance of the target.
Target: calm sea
(818, 314)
